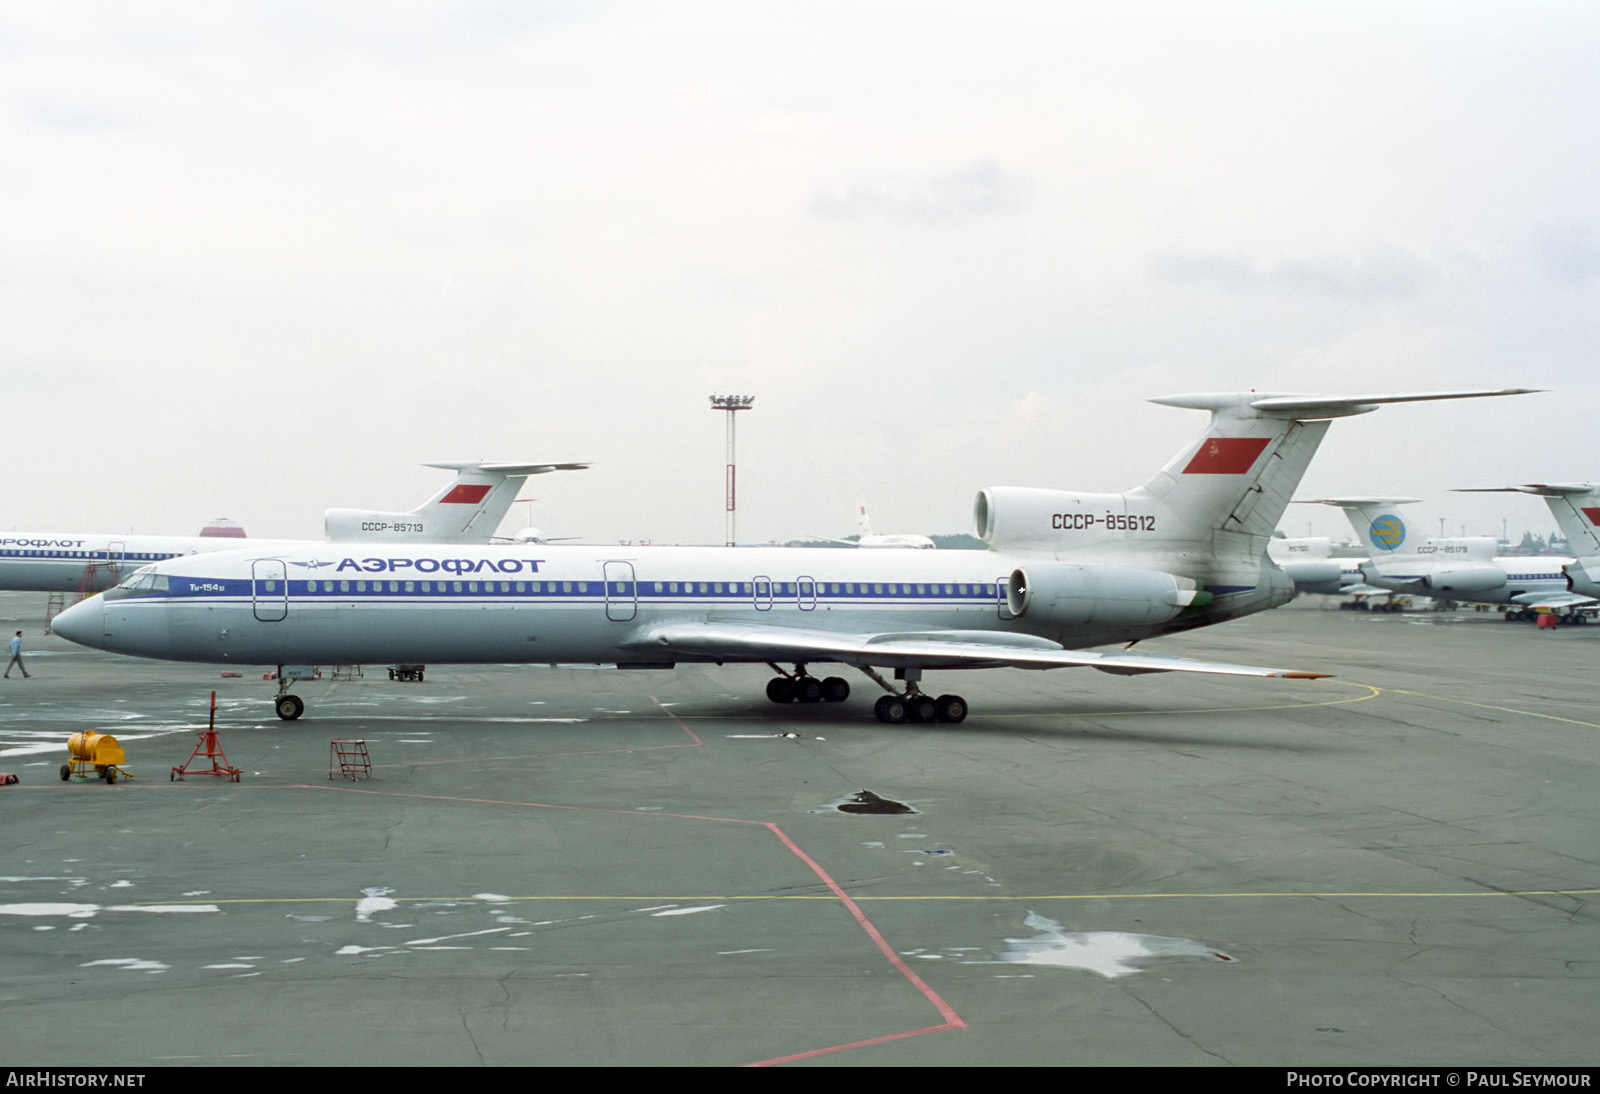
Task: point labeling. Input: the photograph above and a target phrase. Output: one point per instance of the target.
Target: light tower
(732, 404)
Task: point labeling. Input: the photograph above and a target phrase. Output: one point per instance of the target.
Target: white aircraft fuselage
(552, 603)
(93, 561)
(1064, 571)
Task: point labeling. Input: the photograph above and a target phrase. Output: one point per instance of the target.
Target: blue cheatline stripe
(84, 556)
(739, 592)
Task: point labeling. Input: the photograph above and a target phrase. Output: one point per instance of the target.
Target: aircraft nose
(81, 623)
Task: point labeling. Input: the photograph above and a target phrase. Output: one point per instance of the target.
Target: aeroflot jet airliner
(1063, 571)
(466, 511)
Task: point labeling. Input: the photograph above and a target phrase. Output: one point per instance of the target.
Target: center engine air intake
(1065, 594)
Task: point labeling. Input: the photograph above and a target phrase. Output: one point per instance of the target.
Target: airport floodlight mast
(731, 404)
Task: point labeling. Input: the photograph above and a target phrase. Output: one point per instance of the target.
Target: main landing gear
(896, 708)
(803, 688)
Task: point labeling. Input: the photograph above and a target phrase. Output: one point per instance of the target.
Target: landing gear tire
(891, 710)
(808, 689)
(835, 689)
(921, 708)
(780, 689)
(289, 707)
(952, 708)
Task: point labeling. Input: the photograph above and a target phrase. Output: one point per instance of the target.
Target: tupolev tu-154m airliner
(1064, 571)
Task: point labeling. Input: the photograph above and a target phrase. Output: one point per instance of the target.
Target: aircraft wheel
(952, 708)
(808, 689)
(780, 689)
(835, 689)
(289, 707)
(922, 709)
(891, 710)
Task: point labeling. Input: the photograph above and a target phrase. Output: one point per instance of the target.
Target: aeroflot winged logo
(1387, 532)
(1225, 455)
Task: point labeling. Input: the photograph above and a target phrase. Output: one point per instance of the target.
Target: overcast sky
(257, 260)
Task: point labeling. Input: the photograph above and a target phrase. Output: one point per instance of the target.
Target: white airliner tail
(1223, 494)
(466, 511)
(1205, 518)
(1575, 505)
(1386, 535)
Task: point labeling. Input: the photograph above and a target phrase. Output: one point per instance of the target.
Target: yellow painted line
(1371, 693)
(1491, 706)
(1022, 899)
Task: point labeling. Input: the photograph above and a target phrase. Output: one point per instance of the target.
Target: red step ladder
(350, 758)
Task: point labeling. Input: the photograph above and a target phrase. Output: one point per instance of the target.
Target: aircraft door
(116, 551)
(622, 595)
(269, 589)
(763, 592)
(806, 593)
(1000, 592)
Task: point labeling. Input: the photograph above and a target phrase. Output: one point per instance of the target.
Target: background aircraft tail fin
(468, 510)
(1575, 505)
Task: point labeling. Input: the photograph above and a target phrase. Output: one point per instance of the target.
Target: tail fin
(1379, 528)
(1223, 496)
(469, 510)
(1575, 505)
(1385, 534)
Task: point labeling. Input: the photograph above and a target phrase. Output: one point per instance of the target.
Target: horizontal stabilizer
(1554, 600)
(1316, 407)
(507, 468)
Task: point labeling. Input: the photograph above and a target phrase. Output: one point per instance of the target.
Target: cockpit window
(143, 582)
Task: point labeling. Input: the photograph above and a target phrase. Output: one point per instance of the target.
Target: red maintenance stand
(212, 749)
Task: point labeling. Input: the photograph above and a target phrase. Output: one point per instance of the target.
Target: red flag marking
(1225, 455)
(464, 495)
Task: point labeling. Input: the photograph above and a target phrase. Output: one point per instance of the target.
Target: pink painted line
(675, 718)
(855, 1044)
(946, 1011)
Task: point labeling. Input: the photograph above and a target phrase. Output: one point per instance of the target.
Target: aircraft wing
(920, 649)
(1554, 600)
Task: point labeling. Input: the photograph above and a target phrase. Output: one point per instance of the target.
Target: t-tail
(469, 510)
(1205, 519)
(1575, 505)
